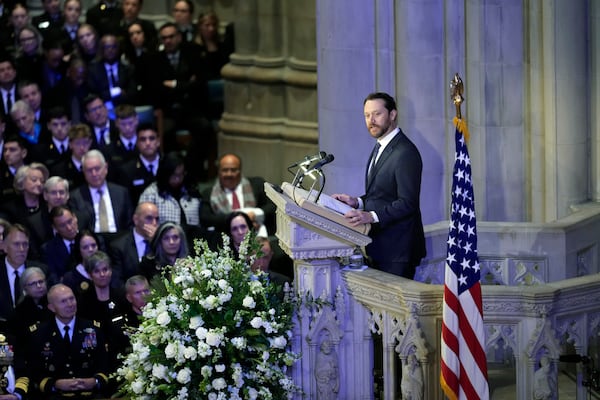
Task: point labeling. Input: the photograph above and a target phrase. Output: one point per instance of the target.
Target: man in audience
(137, 291)
(103, 129)
(124, 147)
(106, 204)
(54, 66)
(57, 253)
(51, 18)
(232, 191)
(138, 173)
(127, 250)
(72, 91)
(68, 357)
(80, 142)
(14, 154)
(8, 88)
(30, 93)
(183, 15)
(54, 149)
(109, 77)
(16, 241)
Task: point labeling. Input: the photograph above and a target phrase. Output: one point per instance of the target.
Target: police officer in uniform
(68, 357)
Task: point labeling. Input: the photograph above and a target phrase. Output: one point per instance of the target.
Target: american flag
(463, 365)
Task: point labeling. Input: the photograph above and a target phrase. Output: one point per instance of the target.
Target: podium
(331, 331)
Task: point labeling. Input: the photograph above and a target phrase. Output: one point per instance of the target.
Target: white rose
(279, 342)
(213, 339)
(206, 371)
(137, 386)
(163, 318)
(184, 375)
(159, 371)
(171, 350)
(253, 394)
(220, 367)
(190, 353)
(248, 302)
(196, 321)
(256, 322)
(223, 284)
(201, 333)
(219, 384)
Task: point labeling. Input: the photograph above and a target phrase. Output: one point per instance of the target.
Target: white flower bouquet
(214, 330)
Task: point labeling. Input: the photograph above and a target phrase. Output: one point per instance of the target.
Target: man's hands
(346, 198)
(75, 384)
(354, 217)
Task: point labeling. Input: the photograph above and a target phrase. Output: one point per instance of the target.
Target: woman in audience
(240, 225)
(19, 17)
(27, 207)
(105, 304)
(29, 55)
(86, 245)
(168, 245)
(215, 51)
(87, 43)
(140, 55)
(176, 201)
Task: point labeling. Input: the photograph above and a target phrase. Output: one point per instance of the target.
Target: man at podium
(392, 189)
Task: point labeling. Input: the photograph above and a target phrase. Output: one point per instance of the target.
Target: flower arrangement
(214, 330)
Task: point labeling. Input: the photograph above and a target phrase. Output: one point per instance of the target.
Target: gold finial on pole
(456, 91)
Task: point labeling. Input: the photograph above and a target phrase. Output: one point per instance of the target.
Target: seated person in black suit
(108, 76)
(14, 153)
(123, 148)
(80, 142)
(105, 16)
(71, 92)
(50, 18)
(106, 205)
(104, 130)
(137, 174)
(127, 249)
(54, 149)
(31, 93)
(58, 253)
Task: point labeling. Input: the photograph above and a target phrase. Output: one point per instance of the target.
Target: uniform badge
(84, 285)
(89, 341)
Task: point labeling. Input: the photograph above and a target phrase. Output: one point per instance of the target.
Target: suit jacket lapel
(387, 151)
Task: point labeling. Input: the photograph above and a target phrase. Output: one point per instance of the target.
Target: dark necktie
(151, 169)
(112, 77)
(101, 141)
(374, 158)
(235, 202)
(146, 247)
(71, 248)
(130, 146)
(8, 102)
(67, 338)
(17, 285)
(62, 148)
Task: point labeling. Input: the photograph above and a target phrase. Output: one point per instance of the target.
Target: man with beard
(392, 189)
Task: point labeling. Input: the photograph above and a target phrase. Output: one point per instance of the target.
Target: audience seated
(55, 148)
(168, 245)
(4, 225)
(80, 142)
(12, 266)
(103, 128)
(87, 43)
(109, 77)
(69, 366)
(56, 194)
(140, 53)
(123, 148)
(31, 94)
(28, 205)
(58, 253)
(71, 92)
(14, 154)
(24, 119)
(54, 66)
(8, 89)
(183, 15)
(176, 201)
(19, 18)
(215, 50)
(131, 15)
(87, 243)
(28, 54)
(66, 34)
(105, 16)
(50, 19)
(105, 304)
(137, 290)
(128, 249)
(106, 205)
(137, 174)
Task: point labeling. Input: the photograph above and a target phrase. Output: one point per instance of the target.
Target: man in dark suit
(68, 356)
(16, 239)
(391, 199)
(54, 149)
(14, 153)
(8, 88)
(51, 17)
(80, 142)
(127, 250)
(140, 172)
(57, 253)
(232, 191)
(109, 76)
(123, 148)
(107, 205)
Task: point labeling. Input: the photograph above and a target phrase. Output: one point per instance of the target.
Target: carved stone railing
(524, 327)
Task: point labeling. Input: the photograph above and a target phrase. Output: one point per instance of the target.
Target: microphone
(574, 358)
(309, 159)
(329, 158)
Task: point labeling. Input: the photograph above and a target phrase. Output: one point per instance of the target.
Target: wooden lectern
(331, 334)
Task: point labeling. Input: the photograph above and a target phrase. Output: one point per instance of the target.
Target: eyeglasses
(41, 282)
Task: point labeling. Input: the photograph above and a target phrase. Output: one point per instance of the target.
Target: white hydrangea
(184, 375)
(220, 367)
(206, 371)
(278, 342)
(159, 371)
(219, 384)
(249, 302)
(239, 342)
(163, 318)
(196, 321)
(213, 338)
(256, 322)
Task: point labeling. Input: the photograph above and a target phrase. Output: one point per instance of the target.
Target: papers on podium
(326, 206)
